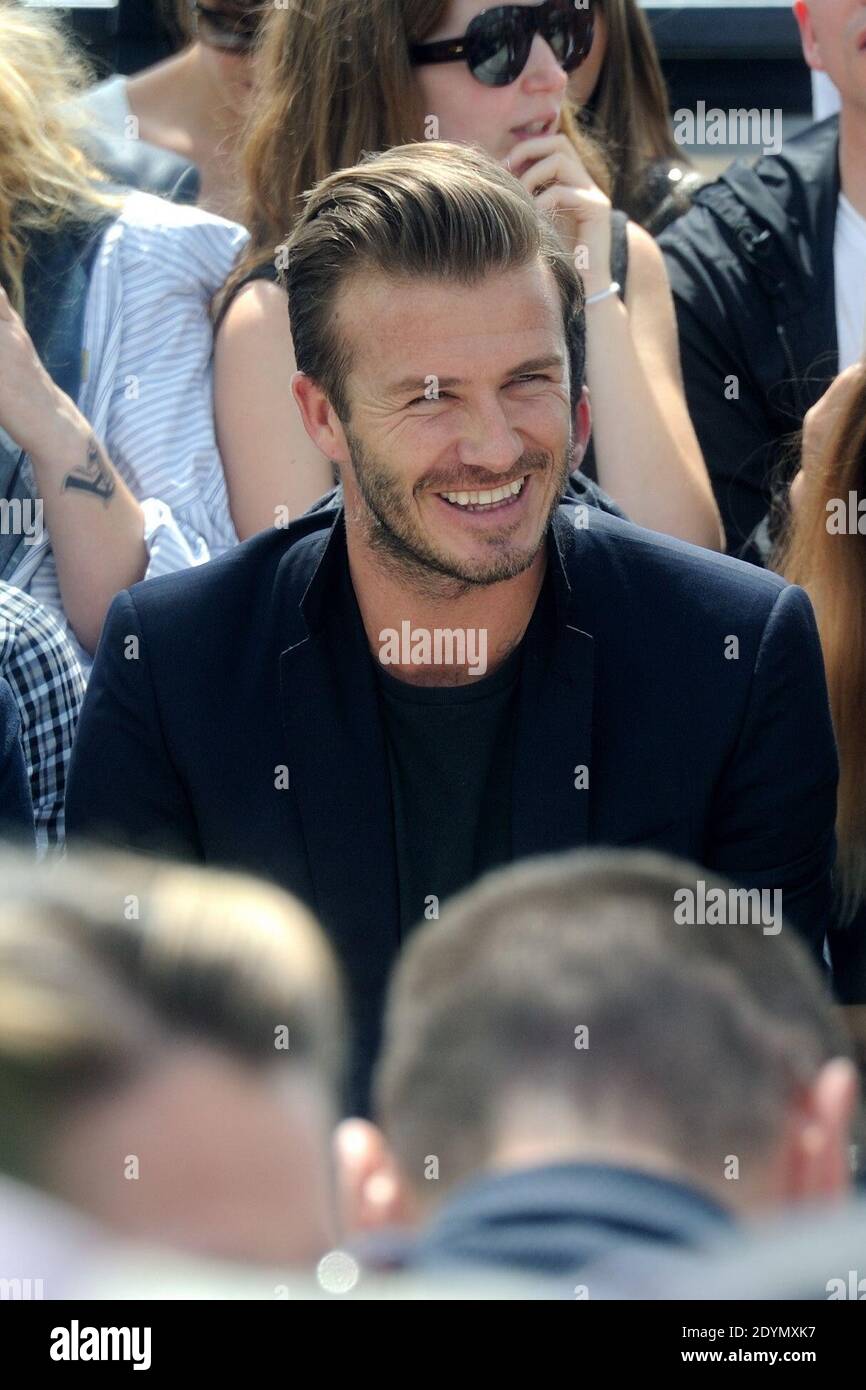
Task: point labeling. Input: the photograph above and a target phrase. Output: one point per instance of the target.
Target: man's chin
(491, 557)
(481, 570)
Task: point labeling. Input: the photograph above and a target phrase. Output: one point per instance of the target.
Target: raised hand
(552, 170)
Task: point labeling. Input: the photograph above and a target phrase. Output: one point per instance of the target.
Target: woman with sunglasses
(195, 102)
(340, 78)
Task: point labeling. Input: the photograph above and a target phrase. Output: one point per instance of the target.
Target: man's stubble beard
(386, 521)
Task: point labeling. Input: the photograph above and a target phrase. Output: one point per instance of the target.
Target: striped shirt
(147, 384)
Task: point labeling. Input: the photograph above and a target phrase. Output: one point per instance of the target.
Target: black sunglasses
(497, 42)
(233, 33)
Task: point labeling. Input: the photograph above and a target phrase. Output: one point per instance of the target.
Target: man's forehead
(412, 322)
(532, 282)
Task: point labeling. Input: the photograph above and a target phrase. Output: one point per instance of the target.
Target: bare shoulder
(258, 317)
(649, 300)
(260, 305)
(646, 267)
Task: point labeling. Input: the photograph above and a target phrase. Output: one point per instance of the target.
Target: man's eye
(529, 376)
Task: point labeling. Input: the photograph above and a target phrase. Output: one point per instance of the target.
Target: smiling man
(260, 712)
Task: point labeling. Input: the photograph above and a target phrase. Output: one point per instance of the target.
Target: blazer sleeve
(774, 819)
(123, 787)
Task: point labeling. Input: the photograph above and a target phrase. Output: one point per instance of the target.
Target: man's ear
(811, 47)
(373, 1192)
(582, 427)
(819, 1134)
(321, 421)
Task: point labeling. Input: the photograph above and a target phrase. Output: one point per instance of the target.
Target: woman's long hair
(629, 110)
(45, 180)
(176, 18)
(334, 82)
(832, 568)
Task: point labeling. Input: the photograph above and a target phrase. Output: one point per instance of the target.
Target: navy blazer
(214, 688)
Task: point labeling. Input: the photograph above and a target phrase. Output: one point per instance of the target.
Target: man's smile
(495, 506)
(488, 500)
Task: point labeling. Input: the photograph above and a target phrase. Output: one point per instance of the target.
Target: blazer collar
(551, 1219)
(553, 746)
(337, 756)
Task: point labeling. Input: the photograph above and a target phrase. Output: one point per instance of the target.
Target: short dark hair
(105, 962)
(428, 209)
(696, 1037)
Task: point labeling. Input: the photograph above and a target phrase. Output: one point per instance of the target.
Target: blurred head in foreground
(170, 1055)
(559, 1014)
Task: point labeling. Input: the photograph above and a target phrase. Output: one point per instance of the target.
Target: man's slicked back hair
(430, 210)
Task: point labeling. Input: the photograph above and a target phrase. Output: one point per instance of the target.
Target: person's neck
(852, 156)
(534, 1128)
(185, 95)
(522, 1151)
(217, 116)
(498, 614)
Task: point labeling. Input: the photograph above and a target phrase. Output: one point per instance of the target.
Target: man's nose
(488, 441)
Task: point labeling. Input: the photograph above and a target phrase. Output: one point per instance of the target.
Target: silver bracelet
(613, 288)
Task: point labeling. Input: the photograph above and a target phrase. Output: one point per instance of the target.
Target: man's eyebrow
(420, 383)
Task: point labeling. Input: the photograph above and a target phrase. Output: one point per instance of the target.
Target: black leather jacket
(751, 268)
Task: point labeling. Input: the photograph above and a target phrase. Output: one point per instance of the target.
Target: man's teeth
(484, 499)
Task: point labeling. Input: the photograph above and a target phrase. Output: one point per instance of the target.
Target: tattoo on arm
(93, 475)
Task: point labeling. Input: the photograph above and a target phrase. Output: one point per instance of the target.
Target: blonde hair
(334, 82)
(45, 179)
(832, 569)
(107, 960)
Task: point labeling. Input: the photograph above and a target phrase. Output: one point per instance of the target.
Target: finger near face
(541, 174)
(526, 153)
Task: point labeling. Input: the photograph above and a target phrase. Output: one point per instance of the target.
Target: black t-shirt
(450, 755)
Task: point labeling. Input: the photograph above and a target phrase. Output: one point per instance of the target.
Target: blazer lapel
(338, 771)
(554, 718)
(338, 763)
